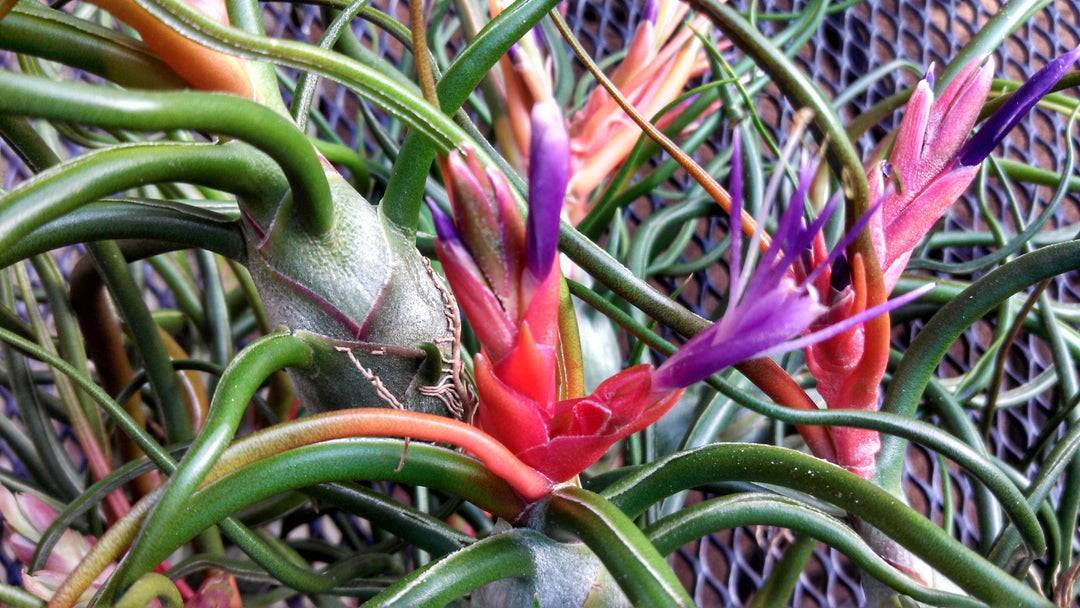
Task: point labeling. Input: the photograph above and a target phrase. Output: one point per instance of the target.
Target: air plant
(442, 442)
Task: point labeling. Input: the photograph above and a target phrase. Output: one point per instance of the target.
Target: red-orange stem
(377, 422)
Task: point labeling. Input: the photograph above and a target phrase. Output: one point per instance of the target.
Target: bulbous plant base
(348, 374)
(567, 574)
(382, 324)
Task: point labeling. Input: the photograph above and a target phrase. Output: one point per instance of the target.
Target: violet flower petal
(444, 225)
(549, 172)
(650, 11)
(831, 331)
(1012, 111)
(735, 227)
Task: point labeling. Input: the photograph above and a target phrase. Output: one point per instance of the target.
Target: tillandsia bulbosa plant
(246, 362)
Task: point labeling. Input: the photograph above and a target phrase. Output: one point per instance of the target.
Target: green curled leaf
(728, 512)
(764, 464)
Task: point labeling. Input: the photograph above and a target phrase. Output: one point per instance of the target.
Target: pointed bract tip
(549, 172)
(995, 128)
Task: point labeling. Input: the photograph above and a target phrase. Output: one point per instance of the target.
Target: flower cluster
(26, 517)
(931, 165)
(505, 273)
(661, 58)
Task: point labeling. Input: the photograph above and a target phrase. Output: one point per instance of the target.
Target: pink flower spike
(475, 296)
(924, 176)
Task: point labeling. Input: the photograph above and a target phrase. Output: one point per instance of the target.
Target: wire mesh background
(727, 568)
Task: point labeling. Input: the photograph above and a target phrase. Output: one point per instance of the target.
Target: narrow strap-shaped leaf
(57, 472)
(942, 331)
(636, 565)
(128, 297)
(155, 220)
(17, 597)
(54, 193)
(805, 473)
(389, 94)
(728, 512)
(57, 36)
(245, 373)
(442, 581)
(149, 587)
(343, 460)
(408, 523)
(123, 421)
(150, 111)
(86, 501)
(777, 587)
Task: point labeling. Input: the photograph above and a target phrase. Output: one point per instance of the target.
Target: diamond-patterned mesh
(727, 568)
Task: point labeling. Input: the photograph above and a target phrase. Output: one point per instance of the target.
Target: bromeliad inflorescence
(931, 165)
(506, 276)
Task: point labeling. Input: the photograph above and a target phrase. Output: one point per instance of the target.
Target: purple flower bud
(515, 52)
(650, 11)
(840, 274)
(549, 171)
(444, 225)
(1012, 111)
(929, 77)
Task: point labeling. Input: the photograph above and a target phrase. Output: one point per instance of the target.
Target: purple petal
(930, 76)
(650, 11)
(840, 327)
(792, 236)
(763, 325)
(444, 226)
(549, 171)
(735, 182)
(1012, 111)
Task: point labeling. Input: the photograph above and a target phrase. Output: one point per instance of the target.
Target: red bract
(561, 439)
(493, 266)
